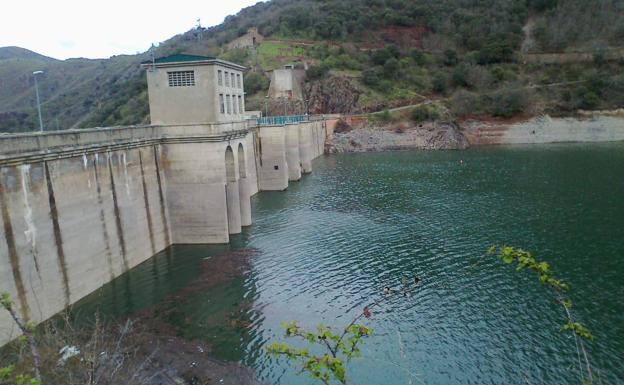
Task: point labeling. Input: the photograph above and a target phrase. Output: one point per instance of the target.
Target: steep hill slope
(385, 53)
(72, 90)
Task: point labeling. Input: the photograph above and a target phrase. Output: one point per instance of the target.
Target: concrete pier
(293, 160)
(79, 208)
(305, 148)
(244, 190)
(273, 167)
(232, 193)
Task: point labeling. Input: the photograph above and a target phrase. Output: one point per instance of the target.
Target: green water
(328, 245)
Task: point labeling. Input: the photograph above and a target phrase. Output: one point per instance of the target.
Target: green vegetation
(338, 350)
(524, 260)
(425, 113)
(255, 82)
(272, 54)
(394, 52)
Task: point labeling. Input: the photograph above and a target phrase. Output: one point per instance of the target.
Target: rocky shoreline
(599, 126)
(400, 136)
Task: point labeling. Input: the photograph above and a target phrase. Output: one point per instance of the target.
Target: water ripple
(328, 246)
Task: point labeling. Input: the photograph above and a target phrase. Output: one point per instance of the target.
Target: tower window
(220, 77)
(238, 80)
(229, 104)
(181, 78)
(222, 103)
(227, 79)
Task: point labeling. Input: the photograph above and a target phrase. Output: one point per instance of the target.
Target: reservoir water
(322, 250)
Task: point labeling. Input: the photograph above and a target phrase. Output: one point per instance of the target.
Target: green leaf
(5, 301)
(6, 372)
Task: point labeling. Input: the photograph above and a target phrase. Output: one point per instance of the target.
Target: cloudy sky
(100, 29)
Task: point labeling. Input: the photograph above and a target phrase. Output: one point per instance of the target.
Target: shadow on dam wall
(81, 208)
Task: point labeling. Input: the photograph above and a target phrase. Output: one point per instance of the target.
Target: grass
(273, 55)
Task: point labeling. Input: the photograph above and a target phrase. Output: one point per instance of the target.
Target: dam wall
(73, 224)
(80, 208)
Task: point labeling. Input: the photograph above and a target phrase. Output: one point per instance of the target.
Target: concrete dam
(82, 207)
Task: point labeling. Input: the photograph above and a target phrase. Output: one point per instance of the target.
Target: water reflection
(200, 293)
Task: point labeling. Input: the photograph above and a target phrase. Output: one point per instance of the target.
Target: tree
(465, 103)
(440, 83)
(317, 72)
(255, 82)
(424, 113)
(509, 102)
(496, 50)
(371, 76)
(391, 68)
(380, 57)
(419, 57)
(450, 57)
(460, 75)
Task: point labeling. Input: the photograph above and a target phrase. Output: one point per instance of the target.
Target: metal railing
(281, 120)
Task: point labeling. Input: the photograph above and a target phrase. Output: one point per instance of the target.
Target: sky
(99, 29)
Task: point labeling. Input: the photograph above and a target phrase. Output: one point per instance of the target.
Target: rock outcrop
(400, 136)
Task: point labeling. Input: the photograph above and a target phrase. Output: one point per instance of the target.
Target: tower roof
(179, 58)
(184, 59)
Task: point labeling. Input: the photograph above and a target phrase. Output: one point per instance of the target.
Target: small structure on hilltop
(287, 83)
(191, 89)
(251, 39)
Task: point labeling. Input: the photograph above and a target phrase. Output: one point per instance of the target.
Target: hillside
(481, 57)
(74, 92)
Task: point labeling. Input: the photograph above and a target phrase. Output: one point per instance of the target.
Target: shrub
(419, 57)
(371, 76)
(588, 99)
(424, 113)
(465, 103)
(391, 68)
(479, 78)
(440, 83)
(460, 75)
(501, 74)
(495, 51)
(509, 102)
(343, 61)
(255, 82)
(317, 72)
(450, 57)
(381, 56)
